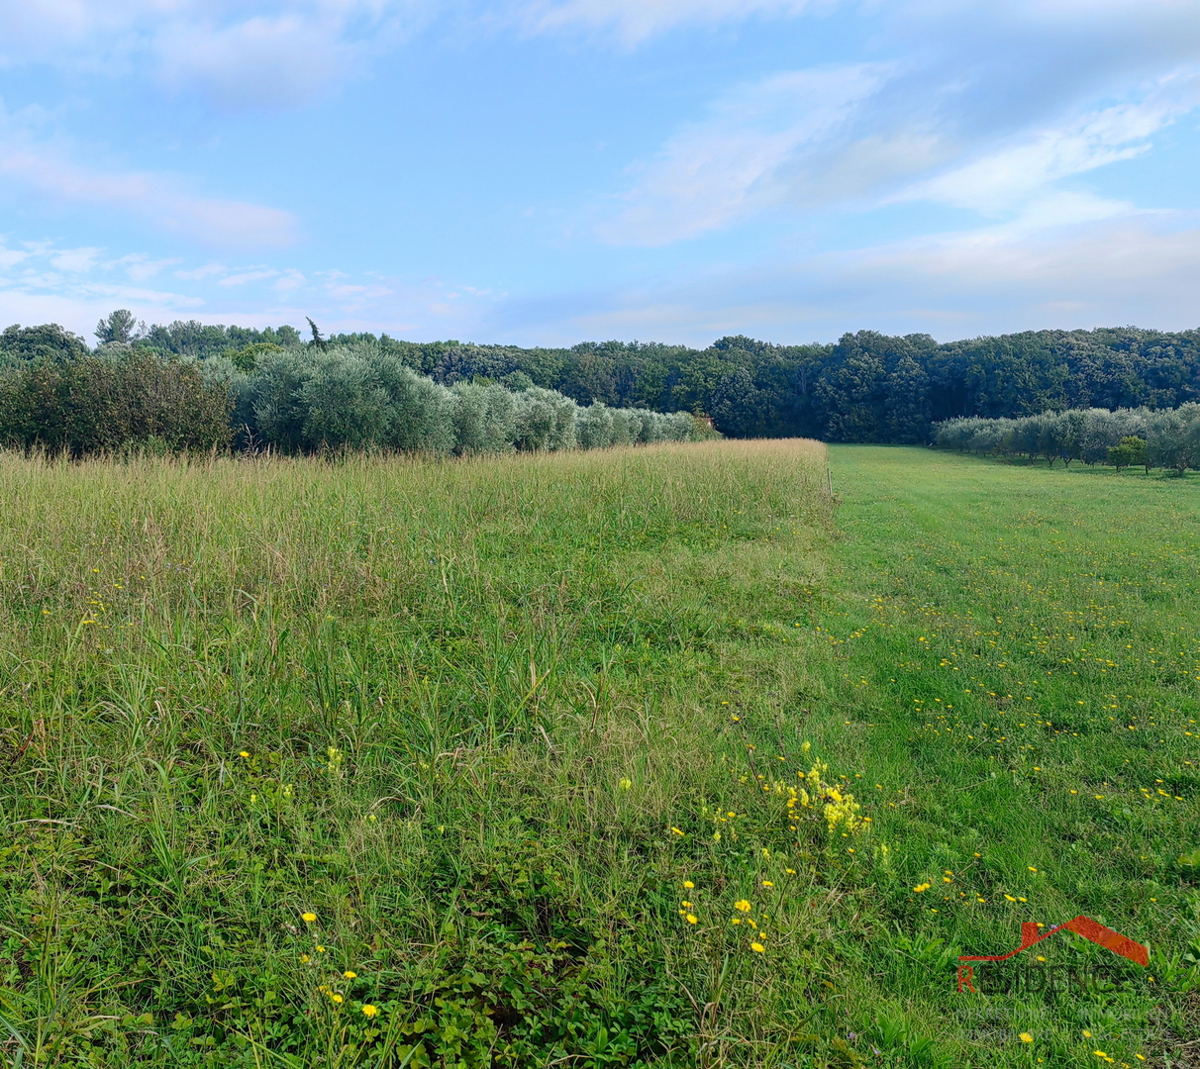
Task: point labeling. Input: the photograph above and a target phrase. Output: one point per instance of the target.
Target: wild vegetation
(868, 387)
(634, 758)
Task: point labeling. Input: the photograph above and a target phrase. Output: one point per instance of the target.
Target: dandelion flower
(690, 918)
(337, 999)
(742, 906)
(688, 885)
(758, 948)
(349, 974)
(244, 753)
(921, 888)
(1025, 1037)
(677, 831)
(369, 1010)
(308, 918)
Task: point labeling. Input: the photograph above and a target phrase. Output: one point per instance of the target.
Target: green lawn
(1020, 658)
(632, 758)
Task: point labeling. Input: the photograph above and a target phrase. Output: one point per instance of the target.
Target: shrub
(1128, 451)
(484, 418)
(112, 401)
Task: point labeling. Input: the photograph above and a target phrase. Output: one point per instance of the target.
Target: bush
(111, 401)
(484, 418)
(1129, 451)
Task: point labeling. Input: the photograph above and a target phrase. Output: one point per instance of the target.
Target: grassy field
(645, 757)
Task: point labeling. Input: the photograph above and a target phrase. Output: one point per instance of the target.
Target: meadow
(634, 757)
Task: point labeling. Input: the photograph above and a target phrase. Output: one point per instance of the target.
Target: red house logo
(1031, 935)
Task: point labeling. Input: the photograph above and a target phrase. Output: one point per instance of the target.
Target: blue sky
(551, 171)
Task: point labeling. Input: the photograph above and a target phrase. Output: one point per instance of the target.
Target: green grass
(1021, 672)
(521, 734)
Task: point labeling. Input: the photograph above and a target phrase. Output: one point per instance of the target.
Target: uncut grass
(464, 717)
(1020, 670)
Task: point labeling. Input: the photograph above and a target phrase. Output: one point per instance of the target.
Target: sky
(545, 172)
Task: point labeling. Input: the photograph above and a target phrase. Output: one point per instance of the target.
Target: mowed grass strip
(1020, 652)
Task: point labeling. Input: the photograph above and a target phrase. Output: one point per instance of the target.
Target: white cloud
(359, 293)
(140, 267)
(1110, 265)
(162, 200)
(202, 272)
(243, 277)
(274, 54)
(262, 61)
(290, 281)
(33, 291)
(635, 20)
(11, 257)
(1006, 175)
(993, 109)
(1110, 269)
(712, 173)
(76, 261)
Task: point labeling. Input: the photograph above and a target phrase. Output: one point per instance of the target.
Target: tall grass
(451, 710)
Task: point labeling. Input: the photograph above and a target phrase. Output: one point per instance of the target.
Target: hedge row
(301, 400)
(1155, 438)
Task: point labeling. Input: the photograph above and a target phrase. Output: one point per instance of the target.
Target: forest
(868, 387)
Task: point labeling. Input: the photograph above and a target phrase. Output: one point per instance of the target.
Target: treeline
(868, 387)
(1152, 438)
(299, 399)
